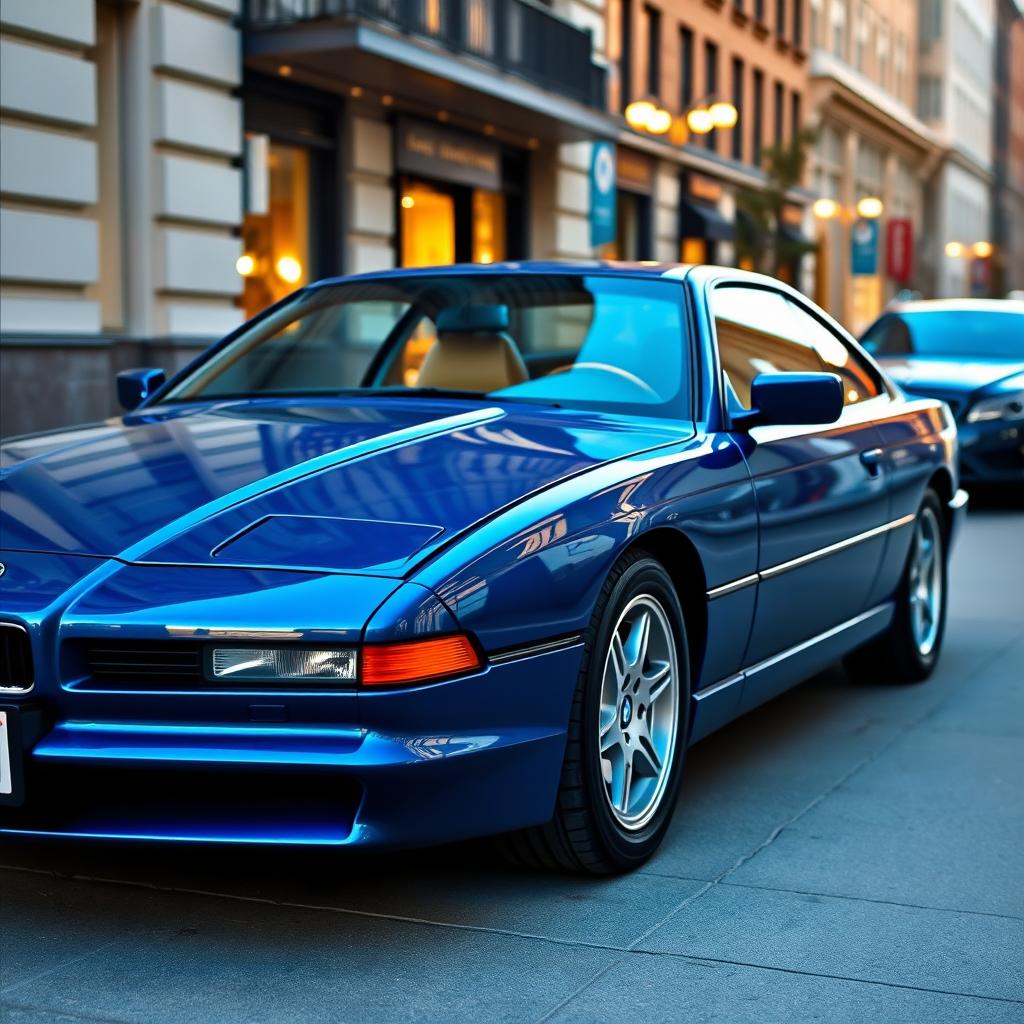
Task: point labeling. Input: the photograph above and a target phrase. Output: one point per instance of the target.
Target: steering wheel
(616, 371)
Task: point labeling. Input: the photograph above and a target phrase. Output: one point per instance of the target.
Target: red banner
(899, 249)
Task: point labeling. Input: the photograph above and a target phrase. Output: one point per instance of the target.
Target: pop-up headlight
(283, 664)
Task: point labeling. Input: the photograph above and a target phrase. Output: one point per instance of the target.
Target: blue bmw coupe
(425, 555)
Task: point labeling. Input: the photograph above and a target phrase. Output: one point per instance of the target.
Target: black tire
(584, 835)
(894, 657)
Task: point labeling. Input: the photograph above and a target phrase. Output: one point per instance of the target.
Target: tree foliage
(759, 230)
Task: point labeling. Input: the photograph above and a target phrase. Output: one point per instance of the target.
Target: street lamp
(723, 115)
(982, 250)
(639, 113)
(646, 116)
(700, 121)
(870, 207)
(954, 250)
(825, 209)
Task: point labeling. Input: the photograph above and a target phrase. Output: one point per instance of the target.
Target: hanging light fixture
(700, 121)
(638, 114)
(723, 115)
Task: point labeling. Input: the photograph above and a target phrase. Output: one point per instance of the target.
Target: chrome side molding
(790, 652)
(811, 556)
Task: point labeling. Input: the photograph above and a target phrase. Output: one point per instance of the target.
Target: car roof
(638, 268)
(958, 306)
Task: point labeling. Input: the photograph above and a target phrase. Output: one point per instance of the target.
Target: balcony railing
(518, 36)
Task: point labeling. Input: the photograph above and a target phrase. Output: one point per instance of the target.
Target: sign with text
(899, 249)
(602, 194)
(447, 154)
(864, 247)
(634, 171)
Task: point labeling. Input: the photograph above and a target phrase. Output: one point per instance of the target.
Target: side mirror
(792, 399)
(135, 386)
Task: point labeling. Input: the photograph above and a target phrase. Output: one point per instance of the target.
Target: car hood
(948, 376)
(361, 485)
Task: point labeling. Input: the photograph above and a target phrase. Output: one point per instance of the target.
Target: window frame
(864, 359)
(684, 407)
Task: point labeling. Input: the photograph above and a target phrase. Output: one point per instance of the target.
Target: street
(846, 853)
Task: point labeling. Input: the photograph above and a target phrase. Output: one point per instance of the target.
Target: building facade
(678, 190)
(120, 195)
(955, 97)
(1008, 152)
(873, 155)
(170, 167)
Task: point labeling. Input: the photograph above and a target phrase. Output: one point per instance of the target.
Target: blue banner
(864, 247)
(602, 194)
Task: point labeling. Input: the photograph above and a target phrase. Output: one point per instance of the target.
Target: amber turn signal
(418, 661)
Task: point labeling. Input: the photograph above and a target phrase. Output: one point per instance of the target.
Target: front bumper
(478, 755)
(991, 452)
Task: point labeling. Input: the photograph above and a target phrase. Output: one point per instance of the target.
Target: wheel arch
(679, 555)
(941, 482)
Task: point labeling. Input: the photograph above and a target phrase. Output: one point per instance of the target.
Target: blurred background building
(170, 167)
(873, 157)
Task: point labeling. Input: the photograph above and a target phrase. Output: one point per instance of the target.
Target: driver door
(820, 489)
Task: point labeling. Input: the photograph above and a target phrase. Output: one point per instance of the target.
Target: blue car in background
(431, 554)
(970, 354)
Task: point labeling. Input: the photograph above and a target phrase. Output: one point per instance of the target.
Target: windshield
(606, 342)
(962, 333)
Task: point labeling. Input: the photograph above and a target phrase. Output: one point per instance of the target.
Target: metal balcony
(521, 37)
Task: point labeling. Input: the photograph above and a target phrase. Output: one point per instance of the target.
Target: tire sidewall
(627, 848)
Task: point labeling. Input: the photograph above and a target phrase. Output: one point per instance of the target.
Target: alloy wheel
(639, 711)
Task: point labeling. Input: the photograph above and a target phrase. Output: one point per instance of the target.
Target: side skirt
(720, 703)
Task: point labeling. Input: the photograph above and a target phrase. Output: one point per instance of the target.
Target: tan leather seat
(472, 361)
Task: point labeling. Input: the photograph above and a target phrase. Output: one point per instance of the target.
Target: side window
(889, 336)
(860, 382)
(756, 334)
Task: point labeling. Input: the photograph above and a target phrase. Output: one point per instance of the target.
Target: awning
(702, 220)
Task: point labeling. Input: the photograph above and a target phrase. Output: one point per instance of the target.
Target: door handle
(872, 458)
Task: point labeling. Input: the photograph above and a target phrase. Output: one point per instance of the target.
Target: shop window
(428, 226)
(633, 227)
(277, 246)
(694, 250)
(442, 224)
(488, 226)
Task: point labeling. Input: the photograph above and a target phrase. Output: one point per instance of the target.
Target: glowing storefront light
(246, 264)
(289, 269)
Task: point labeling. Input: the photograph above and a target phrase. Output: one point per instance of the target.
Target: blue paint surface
(362, 519)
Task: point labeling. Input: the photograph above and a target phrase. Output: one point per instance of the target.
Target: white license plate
(6, 780)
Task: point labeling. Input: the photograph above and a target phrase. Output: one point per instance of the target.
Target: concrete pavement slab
(210, 960)
(667, 990)
(967, 954)
(47, 922)
(13, 1013)
(759, 772)
(460, 885)
(936, 820)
